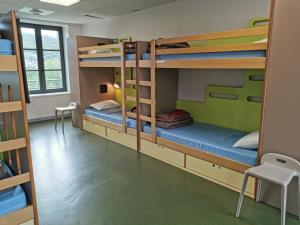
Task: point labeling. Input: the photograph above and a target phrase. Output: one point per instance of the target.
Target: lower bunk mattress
(115, 118)
(209, 138)
(11, 199)
(5, 47)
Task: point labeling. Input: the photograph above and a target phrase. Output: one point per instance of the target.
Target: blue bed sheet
(115, 58)
(215, 55)
(5, 47)
(11, 199)
(209, 138)
(110, 117)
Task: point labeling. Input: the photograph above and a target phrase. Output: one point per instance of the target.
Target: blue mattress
(115, 58)
(209, 138)
(110, 117)
(12, 199)
(5, 47)
(215, 55)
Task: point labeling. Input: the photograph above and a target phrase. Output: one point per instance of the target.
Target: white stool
(278, 169)
(72, 106)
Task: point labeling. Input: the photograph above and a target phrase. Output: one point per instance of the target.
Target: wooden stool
(72, 106)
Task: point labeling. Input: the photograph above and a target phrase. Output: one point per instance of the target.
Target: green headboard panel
(239, 114)
(129, 90)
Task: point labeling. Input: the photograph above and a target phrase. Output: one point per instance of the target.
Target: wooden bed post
(123, 86)
(153, 90)
(138, 105)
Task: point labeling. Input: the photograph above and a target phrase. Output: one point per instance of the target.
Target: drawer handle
(213, 165)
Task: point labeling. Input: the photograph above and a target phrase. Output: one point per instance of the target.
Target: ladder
(15, 148)
(139, 83)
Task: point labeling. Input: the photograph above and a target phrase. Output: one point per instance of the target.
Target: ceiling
(75, 14)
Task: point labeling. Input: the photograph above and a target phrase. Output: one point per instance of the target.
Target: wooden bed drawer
(94, 128)
(219, 174)
(122, 138)
(162, 153)
(149, 148)
(86, 125)
(170, 155)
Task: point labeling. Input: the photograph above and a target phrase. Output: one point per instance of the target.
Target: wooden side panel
(280, 124)
(91, 78)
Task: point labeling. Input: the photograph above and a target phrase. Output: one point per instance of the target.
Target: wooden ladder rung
(142, 117)
(130, 98)
(14, 181)
(145, 83)
(18, 217)
(8, 63)
(10, 106)
(142, 100)
(142, 82)
(12, 144)
(131, 82)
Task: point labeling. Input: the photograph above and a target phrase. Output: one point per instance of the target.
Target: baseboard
(48, 118)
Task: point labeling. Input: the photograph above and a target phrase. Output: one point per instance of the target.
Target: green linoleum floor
(85, 179)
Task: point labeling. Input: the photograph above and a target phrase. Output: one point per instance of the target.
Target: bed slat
(217, 35)
(8, 63)
(12, 144)
(18, 217)
(100, 47)
(231, 63)
(10, 106)
(14, 181)
(99, 55)
(211, 49)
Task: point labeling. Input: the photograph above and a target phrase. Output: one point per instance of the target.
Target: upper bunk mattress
(115, 58)
(215, 55)
(110, 117)
(11, 199)
(5, 47)
(209, 138)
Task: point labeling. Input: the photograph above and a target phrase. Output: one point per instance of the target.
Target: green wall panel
(237, 114)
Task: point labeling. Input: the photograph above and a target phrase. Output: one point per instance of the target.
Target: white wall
(183, 17)
(43, 106)
(186, 17)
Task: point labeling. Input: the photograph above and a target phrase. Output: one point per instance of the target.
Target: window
(44, 58)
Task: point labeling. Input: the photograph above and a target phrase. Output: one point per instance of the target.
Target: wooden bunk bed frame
(227, 63)
(18, 146)
(221, 170)
(109, 50)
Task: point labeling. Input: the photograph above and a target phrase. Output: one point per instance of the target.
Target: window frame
(40, 57)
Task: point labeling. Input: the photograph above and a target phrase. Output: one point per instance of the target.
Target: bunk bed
(17, 192)
(203, 149)
(212, 51)
(206, 149)
(101, 62)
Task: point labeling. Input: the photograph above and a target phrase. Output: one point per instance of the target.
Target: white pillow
(250, 141)
(108, 104)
